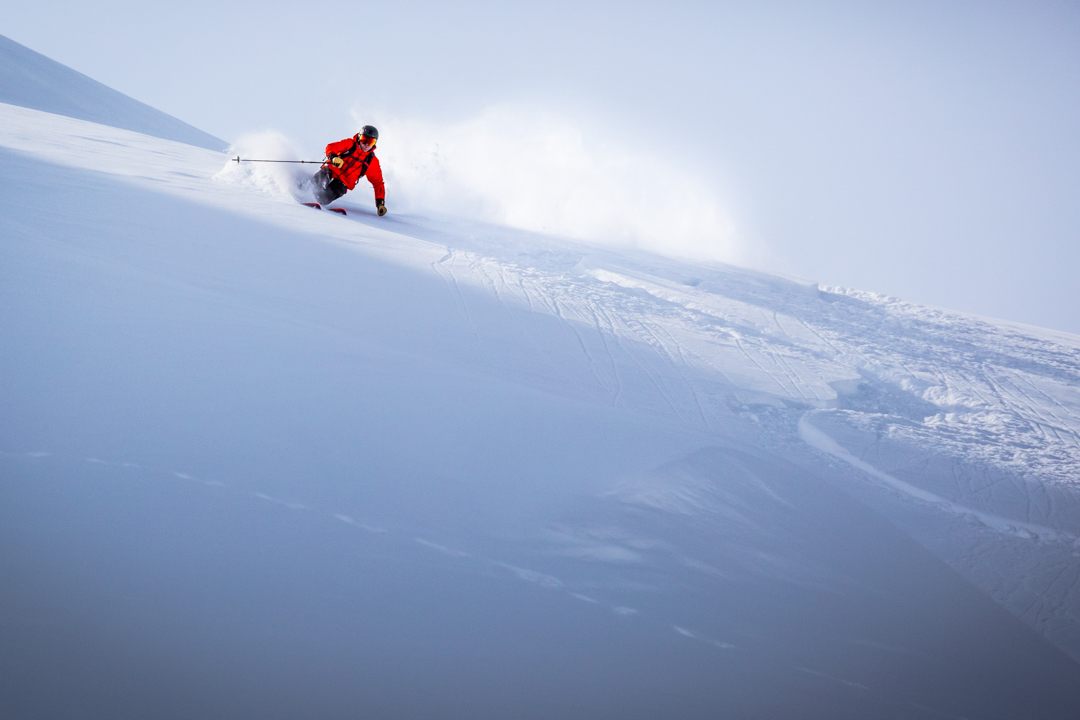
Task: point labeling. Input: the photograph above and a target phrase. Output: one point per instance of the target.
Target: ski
(317, 206)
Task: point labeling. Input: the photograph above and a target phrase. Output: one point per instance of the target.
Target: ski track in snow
(819, 440)
(967, 416)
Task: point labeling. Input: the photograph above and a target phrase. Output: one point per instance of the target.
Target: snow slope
(30, 79)
(262, 460)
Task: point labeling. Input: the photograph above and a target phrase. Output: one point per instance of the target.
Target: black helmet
(369, 131)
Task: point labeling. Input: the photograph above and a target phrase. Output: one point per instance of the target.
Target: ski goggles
(367, 141)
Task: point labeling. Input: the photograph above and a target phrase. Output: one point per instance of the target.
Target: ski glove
(336, 161)
(380, 205)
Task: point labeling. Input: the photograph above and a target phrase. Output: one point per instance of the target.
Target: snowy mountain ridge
(976, 419)
(30, 79)
(666, 479)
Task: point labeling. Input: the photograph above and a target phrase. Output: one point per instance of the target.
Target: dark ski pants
(327, 187)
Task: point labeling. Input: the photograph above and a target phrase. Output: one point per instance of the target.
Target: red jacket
(358, 164)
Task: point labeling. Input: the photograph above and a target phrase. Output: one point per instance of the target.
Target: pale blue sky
(925, 150)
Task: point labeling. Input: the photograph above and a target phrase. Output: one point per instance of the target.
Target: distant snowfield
(170, 314)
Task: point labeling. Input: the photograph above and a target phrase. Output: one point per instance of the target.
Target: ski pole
(239, 159)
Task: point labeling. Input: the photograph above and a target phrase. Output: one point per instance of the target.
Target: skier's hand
(380, 205)
(336, 161)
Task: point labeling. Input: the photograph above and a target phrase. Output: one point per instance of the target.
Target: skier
(347, 161)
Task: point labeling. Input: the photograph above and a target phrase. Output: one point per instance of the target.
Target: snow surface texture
(413, 438)
(30, 79)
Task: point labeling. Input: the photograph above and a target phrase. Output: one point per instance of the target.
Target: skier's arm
(374, 176)
(338, 147)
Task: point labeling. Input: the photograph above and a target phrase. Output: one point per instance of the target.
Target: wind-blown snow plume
(537, 171)
(281, 179)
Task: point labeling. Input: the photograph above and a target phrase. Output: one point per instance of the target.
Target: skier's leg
(317, 183)
(335, 189)
(326, 187)
(330, 192)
